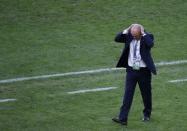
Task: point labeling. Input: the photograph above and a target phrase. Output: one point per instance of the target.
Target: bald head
(136, 31)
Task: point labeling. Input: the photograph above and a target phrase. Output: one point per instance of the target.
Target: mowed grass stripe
(84, 72)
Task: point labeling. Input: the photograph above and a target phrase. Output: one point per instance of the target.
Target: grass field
(46, 37)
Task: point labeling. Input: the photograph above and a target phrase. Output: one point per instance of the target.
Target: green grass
(45, 37)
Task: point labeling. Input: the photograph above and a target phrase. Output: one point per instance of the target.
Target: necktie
(135, 49)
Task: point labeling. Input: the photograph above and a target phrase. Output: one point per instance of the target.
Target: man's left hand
(142, 30)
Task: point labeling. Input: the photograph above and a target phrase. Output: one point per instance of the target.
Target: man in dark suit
(136, 58)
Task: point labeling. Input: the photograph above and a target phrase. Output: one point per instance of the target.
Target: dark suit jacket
(146, 43)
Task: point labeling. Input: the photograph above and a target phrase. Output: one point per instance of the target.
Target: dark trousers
(143, 78)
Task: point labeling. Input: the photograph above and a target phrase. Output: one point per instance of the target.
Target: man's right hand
(126, 31)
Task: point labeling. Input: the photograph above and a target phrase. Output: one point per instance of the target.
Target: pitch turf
(45, 37)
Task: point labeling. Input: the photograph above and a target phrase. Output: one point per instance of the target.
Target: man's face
(136, 32)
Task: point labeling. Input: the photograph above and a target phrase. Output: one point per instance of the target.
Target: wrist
(125, 31)
(143, 34)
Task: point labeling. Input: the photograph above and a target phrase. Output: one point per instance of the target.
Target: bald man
(136, 58)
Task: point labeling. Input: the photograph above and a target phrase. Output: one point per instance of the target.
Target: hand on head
(136, 30)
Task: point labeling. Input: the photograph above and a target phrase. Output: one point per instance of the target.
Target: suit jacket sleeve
(120, 37)
(149, 40)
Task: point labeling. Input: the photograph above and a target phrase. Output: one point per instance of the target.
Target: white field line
(171, 63)
(176, 81)
(6, 100)
(60, 75)
(92, 90)
(84, 72)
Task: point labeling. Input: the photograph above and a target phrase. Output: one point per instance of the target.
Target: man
(137, 60)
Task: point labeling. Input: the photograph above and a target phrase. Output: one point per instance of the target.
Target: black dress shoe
(119, 121)
(146, 119)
